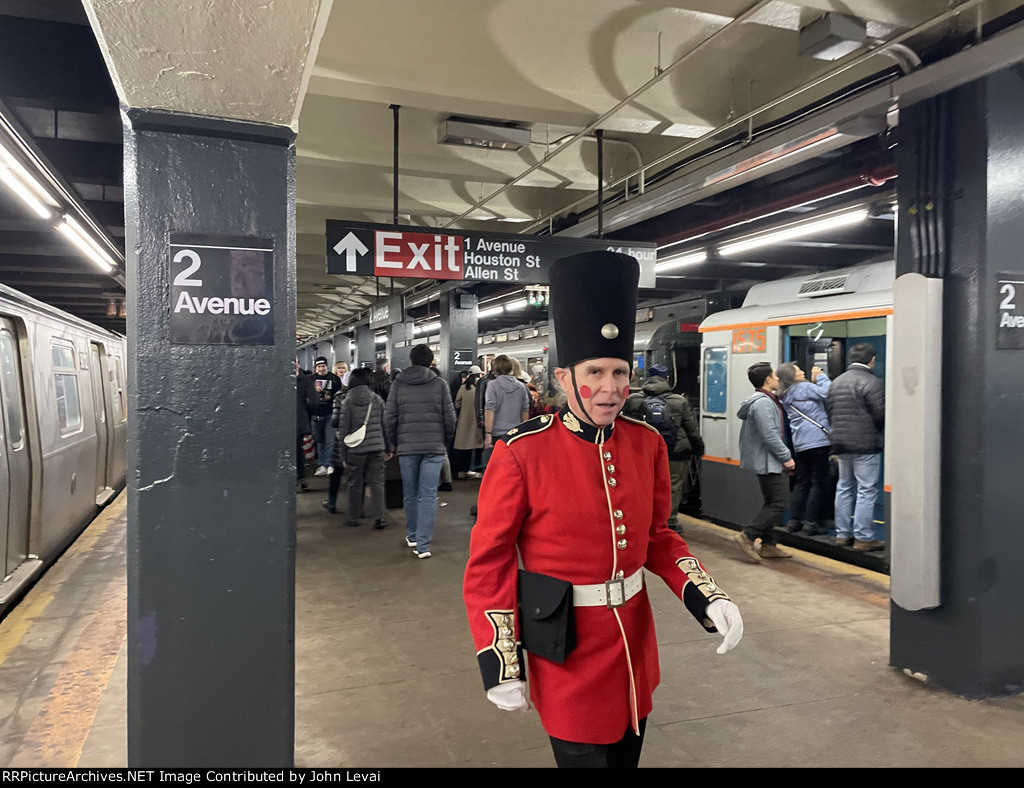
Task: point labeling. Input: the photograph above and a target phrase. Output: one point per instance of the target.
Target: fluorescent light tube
(678, 261)
(10, 178)
(21, 182)
(794, 231)
(84, 246)
(512, 305)
(88, 237)
(494, 310)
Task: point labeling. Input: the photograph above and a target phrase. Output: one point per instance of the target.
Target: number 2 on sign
(748, 340)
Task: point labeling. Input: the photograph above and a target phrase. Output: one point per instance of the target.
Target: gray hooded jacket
(762, 448)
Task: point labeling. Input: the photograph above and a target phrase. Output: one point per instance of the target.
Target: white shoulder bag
(355, 438)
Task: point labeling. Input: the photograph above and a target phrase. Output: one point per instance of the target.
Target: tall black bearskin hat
(593, 306)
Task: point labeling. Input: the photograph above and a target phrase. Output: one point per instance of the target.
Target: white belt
(611, 593)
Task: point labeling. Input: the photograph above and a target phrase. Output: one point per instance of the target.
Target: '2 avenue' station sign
(359, 249)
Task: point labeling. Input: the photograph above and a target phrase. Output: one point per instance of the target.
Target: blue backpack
(658, 415)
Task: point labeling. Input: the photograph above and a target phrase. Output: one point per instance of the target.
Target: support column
(458, 333)
(364, 347)
(342, 348)
(961, 217)
(400, 341)
(211, 578)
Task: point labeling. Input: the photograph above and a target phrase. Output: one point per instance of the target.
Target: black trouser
(623, 754)
(775, 493)
(334, 482)
(811, 485)
(365, 470)
(462, 460)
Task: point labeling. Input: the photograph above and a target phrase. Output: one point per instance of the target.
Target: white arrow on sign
(351, 247)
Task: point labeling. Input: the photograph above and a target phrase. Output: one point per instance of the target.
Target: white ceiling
(656, 76)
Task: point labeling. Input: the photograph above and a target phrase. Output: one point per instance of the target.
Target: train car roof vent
(826, 285)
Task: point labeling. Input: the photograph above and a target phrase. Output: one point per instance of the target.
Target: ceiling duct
(832, 36)
(478, 134)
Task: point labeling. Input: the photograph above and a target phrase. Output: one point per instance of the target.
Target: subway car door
(99, 406)
(15, 474)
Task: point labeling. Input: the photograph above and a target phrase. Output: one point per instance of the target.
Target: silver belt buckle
(615, 593)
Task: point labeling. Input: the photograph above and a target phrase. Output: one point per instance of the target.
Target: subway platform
(386, 675)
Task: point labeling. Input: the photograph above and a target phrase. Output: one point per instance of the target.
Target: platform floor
(386, 675)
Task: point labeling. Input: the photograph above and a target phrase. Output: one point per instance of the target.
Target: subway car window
(715, 363)
(69, 408)
(11, 389)
(120, 388)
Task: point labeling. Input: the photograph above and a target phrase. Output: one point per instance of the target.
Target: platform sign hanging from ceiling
(221, 290)
(359, 249)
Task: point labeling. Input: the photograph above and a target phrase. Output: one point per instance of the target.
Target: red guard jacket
(586, 505)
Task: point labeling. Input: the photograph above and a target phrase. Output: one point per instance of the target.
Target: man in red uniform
(583, 497)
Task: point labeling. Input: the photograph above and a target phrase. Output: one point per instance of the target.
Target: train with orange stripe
(811, 320)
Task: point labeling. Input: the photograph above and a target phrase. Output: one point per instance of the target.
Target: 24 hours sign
(221, 290)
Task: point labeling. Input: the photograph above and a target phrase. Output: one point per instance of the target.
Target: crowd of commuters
(534, 547)
(795, 431)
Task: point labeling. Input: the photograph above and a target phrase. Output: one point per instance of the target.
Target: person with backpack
(669, 413)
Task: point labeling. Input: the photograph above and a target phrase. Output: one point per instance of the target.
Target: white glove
(727, 620)
(509, 697)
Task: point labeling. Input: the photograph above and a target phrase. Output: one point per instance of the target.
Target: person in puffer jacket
(364, 463)
(419, 421)
(856, 408)
(805, 405)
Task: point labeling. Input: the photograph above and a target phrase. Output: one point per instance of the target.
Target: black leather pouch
(547, 626)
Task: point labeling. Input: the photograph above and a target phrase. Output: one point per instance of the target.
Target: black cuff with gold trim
(502, 661)
(699, 592)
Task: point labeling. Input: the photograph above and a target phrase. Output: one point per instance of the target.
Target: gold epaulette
(530, 427)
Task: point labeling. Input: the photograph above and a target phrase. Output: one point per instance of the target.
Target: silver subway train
(812, 320)
(63, 421)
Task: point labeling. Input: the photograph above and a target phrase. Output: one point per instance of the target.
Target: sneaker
(445, 487)
(869, 545)
(352, 523)
(321, 471)
(844, 541)
(379, 525)
(301, 487)
(774, 551)
(813, 529)
(327, 505)
(747, 546)
(795, 526)
(423, 555)
(330, 470)
(461, 475)
(473, 475)
(409, 542)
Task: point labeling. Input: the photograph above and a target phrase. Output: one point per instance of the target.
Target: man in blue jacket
(765, 450)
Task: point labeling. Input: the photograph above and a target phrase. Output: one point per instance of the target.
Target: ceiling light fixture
(429, 328)
(494, 310)
(482, 134)
(678, 261)
(73, 231)
(518, 304)
(19, 181)
(832, 36)
(794, 231)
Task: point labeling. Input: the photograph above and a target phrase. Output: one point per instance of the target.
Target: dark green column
(211, 480)
(961, 218)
